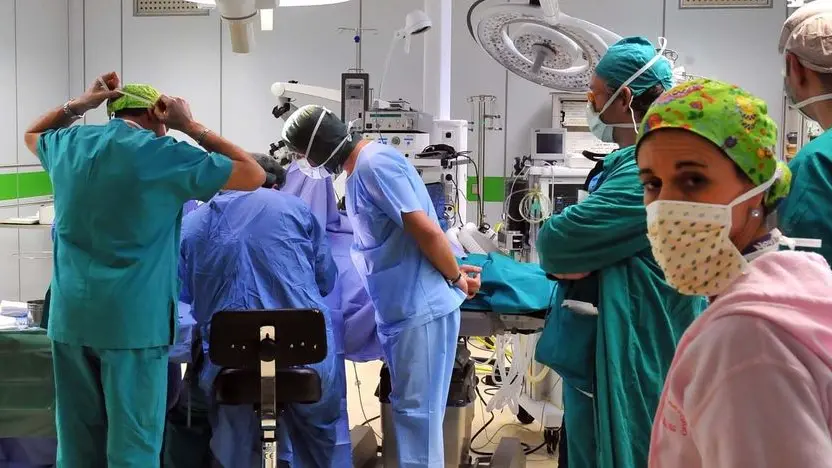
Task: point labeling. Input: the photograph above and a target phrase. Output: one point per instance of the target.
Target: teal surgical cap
(626, 57)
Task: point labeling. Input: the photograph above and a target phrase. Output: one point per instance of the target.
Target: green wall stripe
(24, 185)
(494, 190)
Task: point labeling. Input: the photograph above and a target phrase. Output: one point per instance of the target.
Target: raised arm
(246, 173)
(64, 115)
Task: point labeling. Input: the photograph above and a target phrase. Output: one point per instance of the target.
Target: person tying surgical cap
(749, 385)
(613, 363)
(407, 267)
(119, 191)
(806, 45)
(264, 250)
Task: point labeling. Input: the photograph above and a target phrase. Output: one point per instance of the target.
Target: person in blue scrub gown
(264, 250)
(119, 190)
(407, 267)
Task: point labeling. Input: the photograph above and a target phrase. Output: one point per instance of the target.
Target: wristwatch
(454, 281)
(69, 112)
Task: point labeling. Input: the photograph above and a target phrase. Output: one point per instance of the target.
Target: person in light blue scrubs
(264, 250)
(407, 267)
(119, 190)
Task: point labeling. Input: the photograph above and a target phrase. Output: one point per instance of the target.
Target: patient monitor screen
(549, 143)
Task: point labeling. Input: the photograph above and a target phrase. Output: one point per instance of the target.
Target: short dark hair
(130, 113)
(643, 101)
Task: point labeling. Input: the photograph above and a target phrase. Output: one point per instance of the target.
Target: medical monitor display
(548, 144)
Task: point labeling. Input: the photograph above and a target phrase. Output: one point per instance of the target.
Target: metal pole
(360, 31)
(481, 162)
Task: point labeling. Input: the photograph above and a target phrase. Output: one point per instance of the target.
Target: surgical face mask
(691, 243)
(604, 131)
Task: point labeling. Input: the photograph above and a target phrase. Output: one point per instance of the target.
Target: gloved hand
(275, 173)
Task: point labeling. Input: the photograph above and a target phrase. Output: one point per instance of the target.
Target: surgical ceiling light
(416, 22)
(544, 45)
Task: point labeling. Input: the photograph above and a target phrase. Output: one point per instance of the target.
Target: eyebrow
(684, 164)
(645, 171)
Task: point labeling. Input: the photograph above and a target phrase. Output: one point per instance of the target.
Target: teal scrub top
(807, 211)
(405, 288)
(119, 192)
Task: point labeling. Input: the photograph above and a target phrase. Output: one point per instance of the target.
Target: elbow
(31, 140)
(257, 177)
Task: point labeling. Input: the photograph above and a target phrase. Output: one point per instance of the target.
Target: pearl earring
(756, 213)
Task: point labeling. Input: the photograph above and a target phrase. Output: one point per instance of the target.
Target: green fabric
(625, 58)
(147, 94)
(640, 318)
(807, 212)
(577, 406)
(110, 405)
(119, 193)
(732, 119)
(509, 286)
(27, 389)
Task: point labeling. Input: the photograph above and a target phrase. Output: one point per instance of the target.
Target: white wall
(739, 46)
(51, 49)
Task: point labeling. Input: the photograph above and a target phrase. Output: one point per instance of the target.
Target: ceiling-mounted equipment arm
(290, 94)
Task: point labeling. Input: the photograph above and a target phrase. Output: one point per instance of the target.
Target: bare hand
(174, 112)
(571, 276)
(462, 284)
(471, 274)
(104, 87)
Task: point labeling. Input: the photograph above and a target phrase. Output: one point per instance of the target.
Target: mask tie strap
(315, 132)
(647, 66)
(757, 190)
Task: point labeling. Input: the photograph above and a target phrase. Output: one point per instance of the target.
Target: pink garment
(751, 383)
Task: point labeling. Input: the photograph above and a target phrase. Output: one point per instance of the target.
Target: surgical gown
(807, 212)
(263, 250)
(416, 311)
(352, 312)
(119, 193)
(628, 347)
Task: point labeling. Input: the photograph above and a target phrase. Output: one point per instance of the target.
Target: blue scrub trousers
(421, 361)
(110, 406)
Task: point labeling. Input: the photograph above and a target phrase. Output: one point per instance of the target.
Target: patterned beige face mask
(691, 243)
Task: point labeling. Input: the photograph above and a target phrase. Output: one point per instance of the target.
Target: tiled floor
(504, 424)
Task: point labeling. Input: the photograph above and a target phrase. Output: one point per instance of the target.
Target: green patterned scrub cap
(732, 119)
(136, 96)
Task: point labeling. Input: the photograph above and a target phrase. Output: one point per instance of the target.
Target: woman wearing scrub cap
(750, 383)
(614, 362)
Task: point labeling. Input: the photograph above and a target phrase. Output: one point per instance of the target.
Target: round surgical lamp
(416, 22)
(540, 43)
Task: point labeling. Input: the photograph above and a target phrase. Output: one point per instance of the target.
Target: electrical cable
(361, 404)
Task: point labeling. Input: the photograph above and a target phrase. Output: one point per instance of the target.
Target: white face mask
(692, 246)
(604, 131)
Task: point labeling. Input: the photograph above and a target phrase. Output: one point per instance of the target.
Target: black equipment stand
(258, 351)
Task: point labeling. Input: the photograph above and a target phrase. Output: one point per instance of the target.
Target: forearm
(437, 249)
(217, 144)
(56, 118)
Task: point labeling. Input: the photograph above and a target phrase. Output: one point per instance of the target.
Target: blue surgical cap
(624, 58)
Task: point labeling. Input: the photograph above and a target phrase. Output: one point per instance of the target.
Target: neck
(624, 137)
(349, 164)
(132, 121)
(823, 114)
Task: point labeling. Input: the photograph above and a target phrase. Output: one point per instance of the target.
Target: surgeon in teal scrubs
(806, 42)
(119, 190)
(613, 363)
